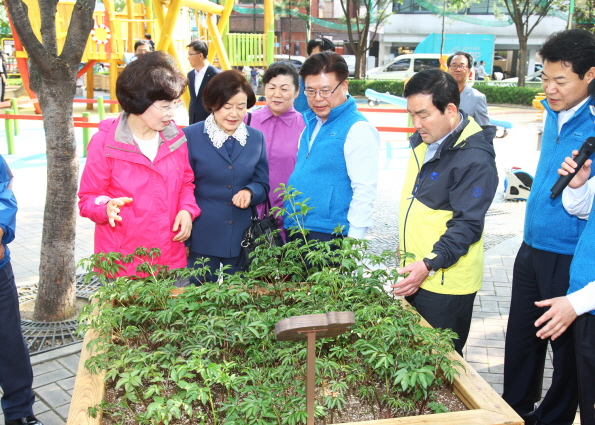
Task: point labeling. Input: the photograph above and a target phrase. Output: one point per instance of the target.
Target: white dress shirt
(579, 202)
(199, 76)
(361, 150)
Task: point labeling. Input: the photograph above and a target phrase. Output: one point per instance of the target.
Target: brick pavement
(54, 371)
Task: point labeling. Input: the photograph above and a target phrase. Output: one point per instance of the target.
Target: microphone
(583, 154)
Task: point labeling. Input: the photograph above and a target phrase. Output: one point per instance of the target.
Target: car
(350, 59)
(405, 66)
(297, 61)
(534, 77)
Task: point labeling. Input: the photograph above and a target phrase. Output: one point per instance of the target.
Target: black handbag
(258, 227)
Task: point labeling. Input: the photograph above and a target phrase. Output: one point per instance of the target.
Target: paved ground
(54, 371)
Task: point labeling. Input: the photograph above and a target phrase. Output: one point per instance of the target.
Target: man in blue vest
(542, 266)
(579, 305)
(16, 375)
(337, 159)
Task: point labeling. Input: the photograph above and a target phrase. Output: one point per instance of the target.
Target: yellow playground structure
(168, 22)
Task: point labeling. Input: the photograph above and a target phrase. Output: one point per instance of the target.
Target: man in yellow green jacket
(450, 183)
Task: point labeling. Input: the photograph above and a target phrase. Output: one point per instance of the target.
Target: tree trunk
(308, 25)
(522, 65)
(56, 300)
(53, 79)
(290, 29)
(357, 75)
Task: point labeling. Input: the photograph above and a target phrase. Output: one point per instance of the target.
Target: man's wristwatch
(429, 267)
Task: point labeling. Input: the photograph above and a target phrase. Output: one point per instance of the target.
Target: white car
(534, 77)
(350, 60)
(405, 66)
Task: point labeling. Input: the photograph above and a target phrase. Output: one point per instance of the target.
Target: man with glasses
(450, 183)
(542, 265)
(198, 78)
(337, 160)
(473, 102)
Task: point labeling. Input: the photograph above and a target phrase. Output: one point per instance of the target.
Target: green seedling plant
(209, 355)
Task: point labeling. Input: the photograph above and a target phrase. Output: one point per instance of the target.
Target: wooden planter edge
(487, 407)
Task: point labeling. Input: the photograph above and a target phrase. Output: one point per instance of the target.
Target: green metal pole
(15, 110)
(100, 108)
(8, 123)
(86, 134)
(271, 45)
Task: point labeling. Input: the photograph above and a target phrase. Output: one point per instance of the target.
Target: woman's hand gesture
(112, 209)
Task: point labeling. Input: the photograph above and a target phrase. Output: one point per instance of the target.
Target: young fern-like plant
(210, 356)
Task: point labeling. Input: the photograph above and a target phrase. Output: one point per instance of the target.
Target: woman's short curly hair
(224, 86)
(151, 77)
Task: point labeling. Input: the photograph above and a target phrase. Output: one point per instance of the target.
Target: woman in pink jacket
(137, 185)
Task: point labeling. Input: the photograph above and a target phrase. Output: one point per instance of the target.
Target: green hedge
(510, 95)
(358, 87)
(494, 94)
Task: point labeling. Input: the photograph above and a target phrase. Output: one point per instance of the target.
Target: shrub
(210, 356)
(494, 94)
(358, 87)
(509, 95)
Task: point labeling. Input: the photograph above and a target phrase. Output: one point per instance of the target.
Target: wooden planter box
(486, 406)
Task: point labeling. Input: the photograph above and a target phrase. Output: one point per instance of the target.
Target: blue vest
(301, 102)
(582, 269)
(320, 173)
(548, 226)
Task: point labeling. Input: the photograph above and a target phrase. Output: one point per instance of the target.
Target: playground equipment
(374, 99)
(115, 33)
(517, 184)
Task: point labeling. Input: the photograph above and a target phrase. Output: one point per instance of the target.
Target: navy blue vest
(320, 173)
(547, 224)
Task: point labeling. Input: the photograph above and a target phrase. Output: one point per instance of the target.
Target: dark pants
(584, 342)
(538, 275)
(446, 312)
(314, 236)
(214, 264)
(16, 375)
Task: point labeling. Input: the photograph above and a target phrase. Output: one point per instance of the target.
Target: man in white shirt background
(198, 78)
(473, 102)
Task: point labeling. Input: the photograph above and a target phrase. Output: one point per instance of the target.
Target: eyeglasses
(169, 108)
(462, 67)
(325, 94)
(194, 54)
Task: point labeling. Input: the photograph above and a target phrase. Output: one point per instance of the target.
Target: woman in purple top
(281, 124)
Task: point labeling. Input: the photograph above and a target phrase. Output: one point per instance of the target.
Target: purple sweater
(281, 135)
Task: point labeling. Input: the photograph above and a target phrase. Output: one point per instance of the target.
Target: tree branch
(48, 10)
(80, 26)
(20, 20)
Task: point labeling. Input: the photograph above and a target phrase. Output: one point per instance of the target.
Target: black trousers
(446, 312)
(16, 375)
(214, 264)
(538, 275)
(584, 342)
